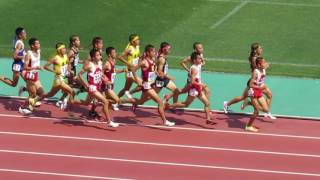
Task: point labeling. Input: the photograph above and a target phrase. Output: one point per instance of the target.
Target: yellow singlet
(60, 69)
(133, 57)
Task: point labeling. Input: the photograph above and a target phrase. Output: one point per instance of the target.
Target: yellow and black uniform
(133, 57)
(60, 69)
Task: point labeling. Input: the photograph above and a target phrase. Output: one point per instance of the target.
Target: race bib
(92, 88)
(130, 74)
(159, 84)
(146, 85)
(250, 92)
(113, 77)
(166, 68)
(151, 76)
(97, 78)
(64, 70)
(30, 75)
(135, 61)
(193, 92)
(16, 67)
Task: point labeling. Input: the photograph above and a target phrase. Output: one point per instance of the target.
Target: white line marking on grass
(160, 144)
(271, 3)
(60, 174)
(174, 127)
(232, 12)
(246, 61)
(160, 163)
(221, 59)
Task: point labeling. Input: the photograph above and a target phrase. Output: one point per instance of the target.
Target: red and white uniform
(195, 89)
(33, 75)
(148, 75)
(111, 75)
(94, 77)
(259, 81)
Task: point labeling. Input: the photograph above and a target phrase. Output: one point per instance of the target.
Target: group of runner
(100, 71)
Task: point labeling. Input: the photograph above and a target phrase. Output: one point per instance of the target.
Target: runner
(95, 77)
(18, 59)
(185, 63)
(257, 85)
(110, 72)
(148, 66)
(130, 57)
(73, 55)
(32, 66)
(195, 88)
(61, 68)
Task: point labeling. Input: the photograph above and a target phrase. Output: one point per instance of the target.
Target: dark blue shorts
(17, 66)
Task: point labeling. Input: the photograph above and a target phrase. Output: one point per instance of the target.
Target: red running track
(47, 146)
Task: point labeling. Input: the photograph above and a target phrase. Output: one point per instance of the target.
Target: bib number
(151, 76)
(129, 74)
(64, 70)
(193, 92)
(166, 68)
(113, 77)
(250, 92)
(16, 67)
(92, 88)
(146, 85)
(159, 84)
(30, 75)
(135, 61)
(97, 78)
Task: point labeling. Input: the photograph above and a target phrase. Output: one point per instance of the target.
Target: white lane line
(160, 163)
(161, 144)
(272, 3)
(60, 174)
(173, 127)
(231, 13)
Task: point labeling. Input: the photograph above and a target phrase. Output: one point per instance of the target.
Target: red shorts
(31, 76)
(257, 93)
(194, 90)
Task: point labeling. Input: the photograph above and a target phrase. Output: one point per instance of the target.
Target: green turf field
(287, 29)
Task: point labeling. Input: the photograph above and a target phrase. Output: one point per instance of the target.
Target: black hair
(259, 60)
(18, 31)
(72, 39)
(93, 52)
(95, 40)
(109, 50)
(32, 41)
(195, 44)
(194, 56)
(132, 36)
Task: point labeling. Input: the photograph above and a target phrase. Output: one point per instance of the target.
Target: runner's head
(111, 52)
(256, 49)
(149, 51)
(134, 40)
(97, 43)
(20, 33)
(95, 55)
(196, 58)
(61, 49)
(198, 47)
(164, 48)
(34, 44)
(261, 63)
(74, 41)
